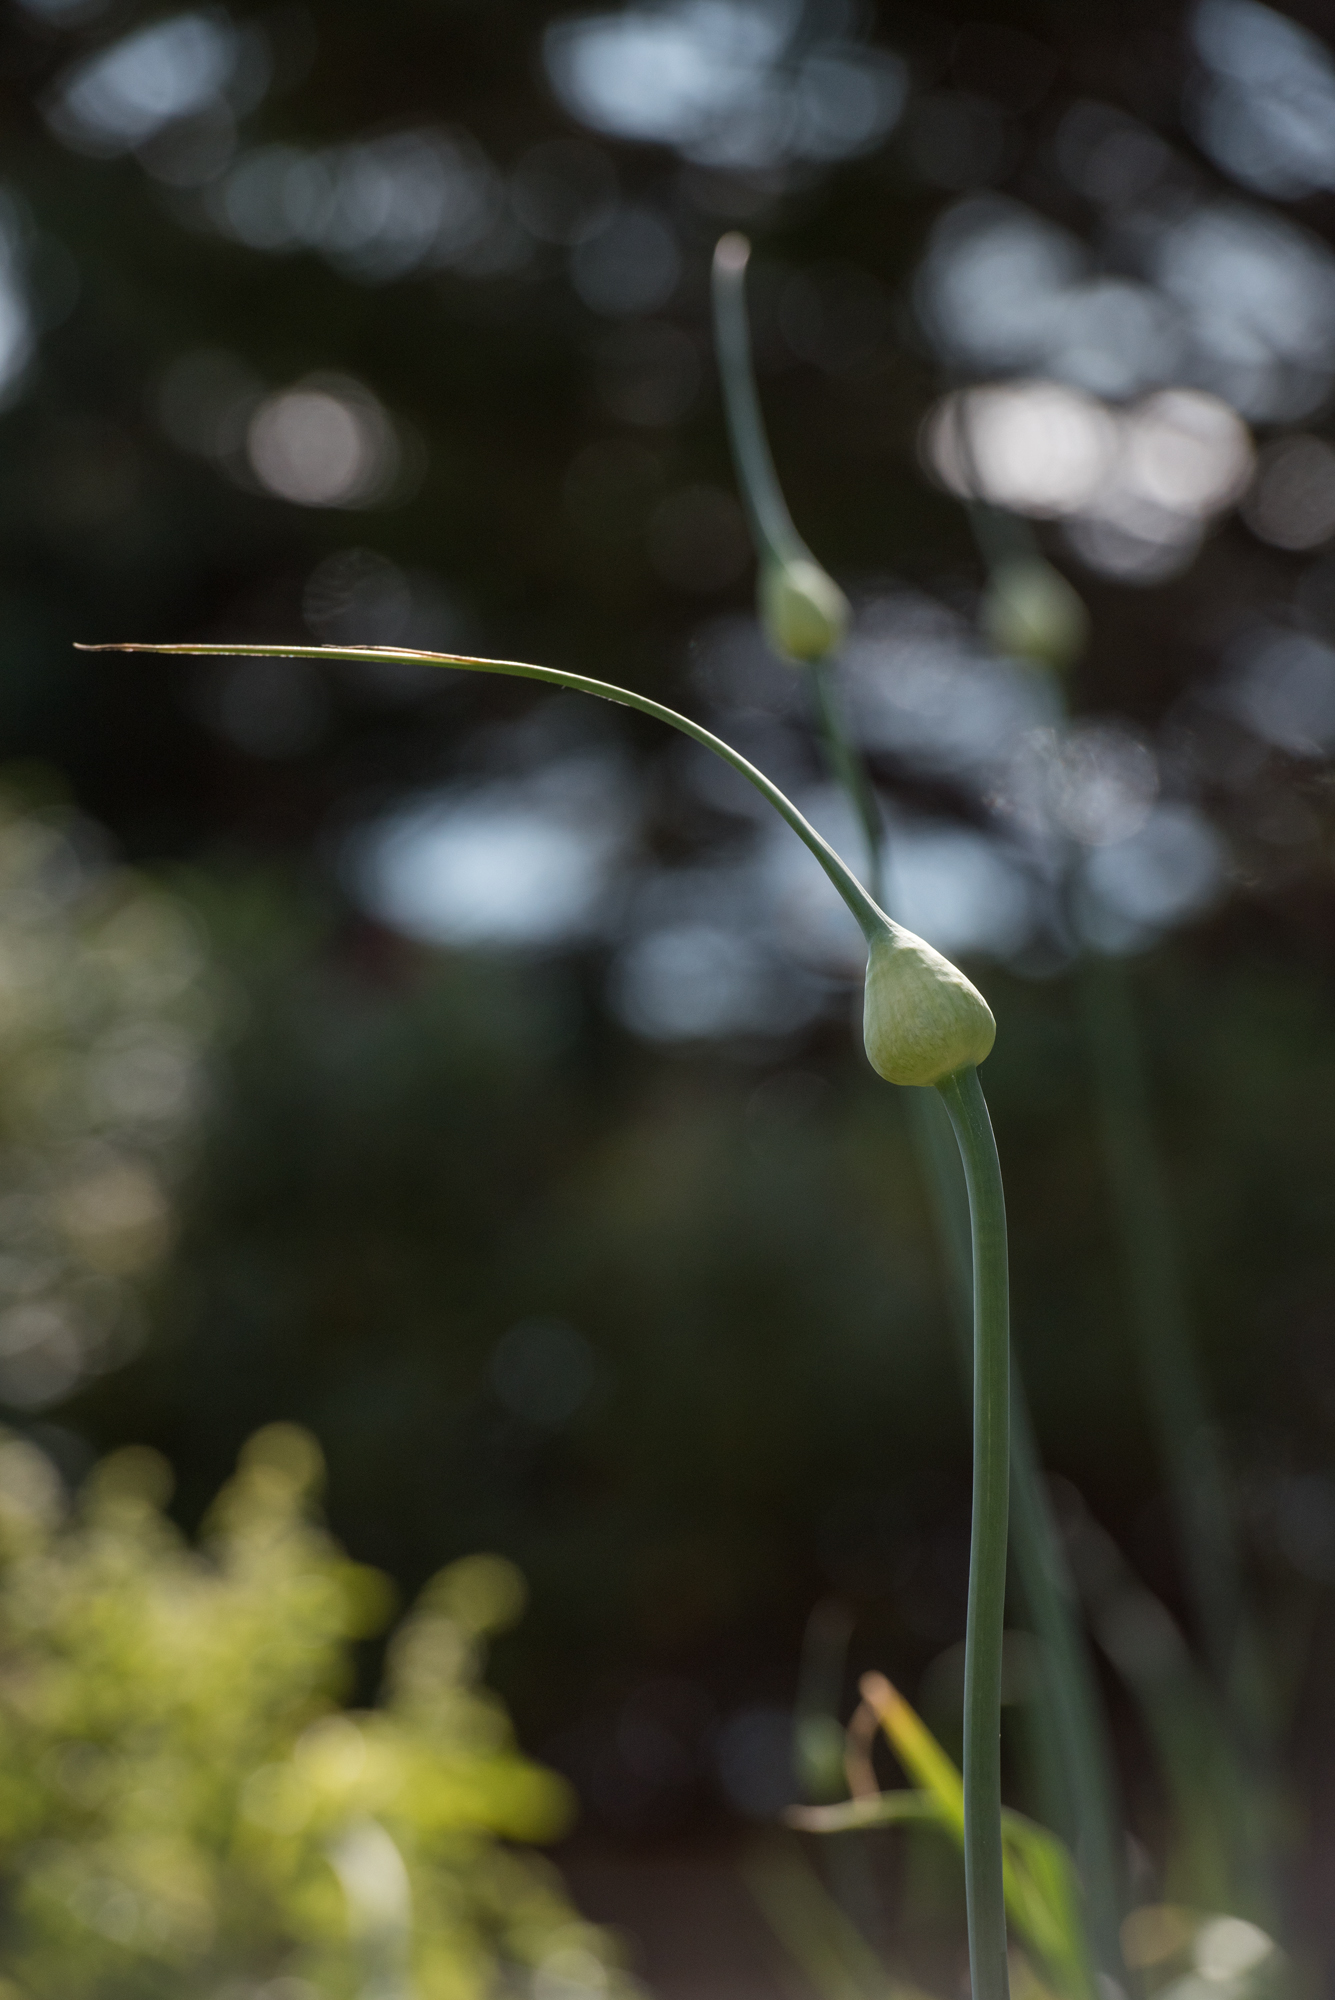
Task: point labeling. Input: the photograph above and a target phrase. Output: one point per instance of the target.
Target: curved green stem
(983, 1872)
(871, 919)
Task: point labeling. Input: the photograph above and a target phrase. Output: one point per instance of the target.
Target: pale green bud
(1031, 612)
(803, 611)
(922, 1019)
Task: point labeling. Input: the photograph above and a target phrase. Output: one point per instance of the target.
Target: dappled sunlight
(1265, 107)
(323, 443)
(723, 81)
(1136, 483)
(503, 863)
(175, 69)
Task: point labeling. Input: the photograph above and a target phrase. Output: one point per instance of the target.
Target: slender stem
(1072, 1709)
(1159, 1310)
(851, 772)
(1170, 1372)
(871, 919)
(963, 1097)
(771, 523)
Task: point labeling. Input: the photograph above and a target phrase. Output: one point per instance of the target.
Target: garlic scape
(923, 1019)
(924, 1024)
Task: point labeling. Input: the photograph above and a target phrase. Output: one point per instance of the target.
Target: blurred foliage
(106, 1016)
(186, 1806)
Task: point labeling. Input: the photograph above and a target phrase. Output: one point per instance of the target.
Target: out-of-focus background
(466, 1072)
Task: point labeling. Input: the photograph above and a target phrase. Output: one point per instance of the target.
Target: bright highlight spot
(721, 81)
(120, 97)
(1035, 447)
(503, 864)
(1136, 484)
(327, 443)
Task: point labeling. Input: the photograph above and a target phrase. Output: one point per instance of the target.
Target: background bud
(1030, 612)
(803, 611)
(922, 1019)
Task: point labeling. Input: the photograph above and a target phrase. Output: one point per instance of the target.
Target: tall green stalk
(963, 1098)
(1072, 1700)
(1072, 1705)
(923, 1024)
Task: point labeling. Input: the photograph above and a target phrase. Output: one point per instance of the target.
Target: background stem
(851, 773)
(962, 1095)
(1170, 1375)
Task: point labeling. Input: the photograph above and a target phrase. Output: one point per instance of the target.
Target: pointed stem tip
(731, 253)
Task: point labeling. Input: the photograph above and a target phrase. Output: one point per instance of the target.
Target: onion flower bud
(802, 609)
(1030, 612)
(922, 1019)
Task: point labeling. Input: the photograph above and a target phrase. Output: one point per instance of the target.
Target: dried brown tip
(877, 1691)
(113, 646)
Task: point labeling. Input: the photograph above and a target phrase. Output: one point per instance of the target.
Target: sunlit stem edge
(962, 1094)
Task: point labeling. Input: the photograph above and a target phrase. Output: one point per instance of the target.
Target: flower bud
(803, 611)
(1030, 612)
(922, 1019)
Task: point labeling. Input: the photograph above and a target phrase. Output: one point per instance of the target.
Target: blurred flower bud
(803, 611)
(1030, 612)
(922, 1019)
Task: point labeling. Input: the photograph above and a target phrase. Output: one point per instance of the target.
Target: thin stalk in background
(1092, 1815)
(923, 1024)
(1159, 1314)
(1187, 1440)
(1031, 611)
(850, 769)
